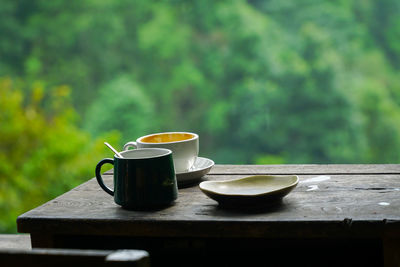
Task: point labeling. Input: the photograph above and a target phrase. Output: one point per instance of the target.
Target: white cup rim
(160, 152)
(195, 136)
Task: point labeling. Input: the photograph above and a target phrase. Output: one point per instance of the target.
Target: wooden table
(337, 215)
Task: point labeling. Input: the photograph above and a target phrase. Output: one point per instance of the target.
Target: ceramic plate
(201, 167)
(252, 190)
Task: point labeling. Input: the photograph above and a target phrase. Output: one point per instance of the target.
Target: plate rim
(212, 163)
(295, 183)
(181, 177)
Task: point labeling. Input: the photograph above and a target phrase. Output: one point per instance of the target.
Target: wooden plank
(303, 169)
(307, 169)
(391, 252)
(12, 241)
(343, 205)
(42, 240)
(166, 251)
(71, 257)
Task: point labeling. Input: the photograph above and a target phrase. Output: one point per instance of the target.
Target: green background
(261, 82)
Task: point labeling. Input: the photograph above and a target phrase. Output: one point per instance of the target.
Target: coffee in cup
(184, 146)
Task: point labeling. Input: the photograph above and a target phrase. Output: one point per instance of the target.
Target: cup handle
(129, 145)
(100, 178)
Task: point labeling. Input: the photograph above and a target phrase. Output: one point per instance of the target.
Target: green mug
(143, 178)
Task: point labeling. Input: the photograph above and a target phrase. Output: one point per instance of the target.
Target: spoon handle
(113, 149)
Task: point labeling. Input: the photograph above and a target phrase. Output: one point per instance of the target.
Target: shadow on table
(243, 210)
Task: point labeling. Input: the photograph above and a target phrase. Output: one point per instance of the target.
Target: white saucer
(201, 167)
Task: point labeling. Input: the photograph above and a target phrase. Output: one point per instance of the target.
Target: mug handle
(100, 178)
(129, 145)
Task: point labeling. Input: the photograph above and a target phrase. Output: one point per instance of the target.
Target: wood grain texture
(73, 257)
(19, 241)
(308, 169)
(391, 252)
(304, 169)
(345, 205)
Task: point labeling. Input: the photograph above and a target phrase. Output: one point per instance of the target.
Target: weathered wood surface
(19, 241)
(308, 169)
(71, 257)
(305, 169)
(345, 205)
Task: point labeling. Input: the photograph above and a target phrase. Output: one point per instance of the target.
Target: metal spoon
(113, 149)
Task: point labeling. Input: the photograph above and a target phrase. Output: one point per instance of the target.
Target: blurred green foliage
(43, 152)
(262, 82)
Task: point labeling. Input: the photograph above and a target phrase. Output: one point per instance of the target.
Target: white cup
(184, 146)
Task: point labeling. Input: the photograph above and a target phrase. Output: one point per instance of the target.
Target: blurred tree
(122, 105)
(42, 153)
(382, 21)
(233, 71)
(376, 95)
